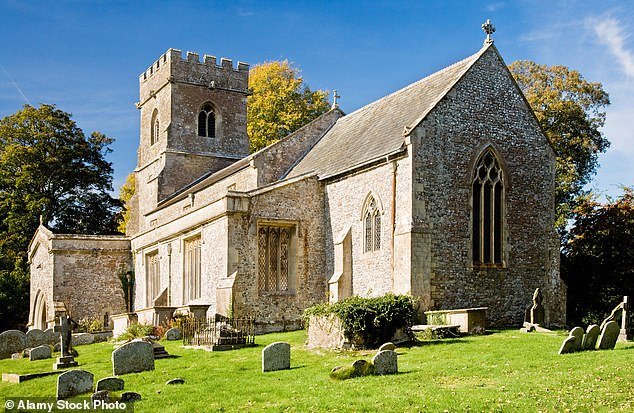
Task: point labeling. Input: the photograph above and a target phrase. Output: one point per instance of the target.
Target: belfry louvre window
(488, 211)
(192, 269)
(372, 227)
(207, 121)
(274, 258)
(152, 278)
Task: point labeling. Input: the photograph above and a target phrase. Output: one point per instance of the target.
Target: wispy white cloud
(492, 7)
(611, 34)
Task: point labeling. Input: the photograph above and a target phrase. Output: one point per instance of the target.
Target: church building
(443, 190)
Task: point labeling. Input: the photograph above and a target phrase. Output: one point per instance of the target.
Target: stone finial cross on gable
(489, 29)
(335, 96)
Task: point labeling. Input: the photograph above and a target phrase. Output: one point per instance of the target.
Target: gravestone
(74, 382)
(110, 384)
(623, 334)
(362, 368)
(40, 353)
(35, 338)
(133, 357)
(537, 313)
(130, 396)
(66, 335)
(385, 362)
(50, 336)
(81, 339)
(568, 345)
(11, 341)
(159, 350)
(276, 356)
(590, 339)
(173, 334)
(577, 333)
(388, 346)
(609, 335)
(101, 395)
(177, 380)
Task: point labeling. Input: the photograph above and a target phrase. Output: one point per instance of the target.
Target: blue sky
(85, 56)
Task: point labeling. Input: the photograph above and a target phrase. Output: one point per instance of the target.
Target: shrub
(89, 325)
(372, 320)
(136, 330)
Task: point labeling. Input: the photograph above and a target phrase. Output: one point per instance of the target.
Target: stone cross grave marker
(66, 335)
(625, 319)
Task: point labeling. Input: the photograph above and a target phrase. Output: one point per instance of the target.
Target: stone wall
(485, 109)
(41, 310)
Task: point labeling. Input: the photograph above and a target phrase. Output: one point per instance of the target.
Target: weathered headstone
(387, 346)
(537, 313)
(568, 345)
(385, 362)
(173, 334)
(133, 357)
(362, 368)
(11, 341)
(50, 336)
(40, 353)
(80, 339)
(66, 335)
(35, 338)
(276, 356)
(590, 339)
(130, 396)
(110, 384)
(74, 382)
(177, 380)
(609, 335)
(102, 395)
(577, 333)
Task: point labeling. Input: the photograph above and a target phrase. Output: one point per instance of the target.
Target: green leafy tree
(49, 170)
(571, 111)
(281, 103)
(126, 192)
(598, 259)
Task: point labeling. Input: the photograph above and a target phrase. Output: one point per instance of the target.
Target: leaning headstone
(387, 346)
(11, 341)
(40, 353)
(609, 335)
(568, 345)
(101, 395)
(276, 356)
(577, 333)
(133, 357)
(590, 339)
(35, 338)
(110, 384)
(74, 382)
(50, 336)
(173, 334)
(385, 362)
(362, 368)
(537, 313)
(130, 396)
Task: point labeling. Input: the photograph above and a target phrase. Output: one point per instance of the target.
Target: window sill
(277, 293)
(482, 266)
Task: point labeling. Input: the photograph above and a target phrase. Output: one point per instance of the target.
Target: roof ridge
(438, 72)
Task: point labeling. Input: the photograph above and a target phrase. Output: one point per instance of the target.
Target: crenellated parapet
(173, 67)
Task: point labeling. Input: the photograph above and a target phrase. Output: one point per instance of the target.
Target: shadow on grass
(423, 343)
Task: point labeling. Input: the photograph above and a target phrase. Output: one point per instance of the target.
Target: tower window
(488, 211)
(154, 131)
(207, 121)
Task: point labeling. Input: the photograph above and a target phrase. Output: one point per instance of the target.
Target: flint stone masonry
(385, 362)
(40, 353)
(11, 341)
(609, 335)
(73, 383)
(110, 384)
(276, 356)
(590, 339)
(133, 357)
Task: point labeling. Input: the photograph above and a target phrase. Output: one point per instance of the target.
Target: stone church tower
(193, 123)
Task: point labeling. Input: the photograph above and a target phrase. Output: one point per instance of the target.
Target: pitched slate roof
(376, 130)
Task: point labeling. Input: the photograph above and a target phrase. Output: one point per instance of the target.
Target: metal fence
(218, 331)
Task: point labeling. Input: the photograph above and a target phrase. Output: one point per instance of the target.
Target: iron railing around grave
(218, 331)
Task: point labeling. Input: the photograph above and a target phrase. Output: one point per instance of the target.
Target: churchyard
(504, 370)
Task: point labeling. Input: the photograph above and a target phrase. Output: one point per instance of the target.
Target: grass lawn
(503, 371)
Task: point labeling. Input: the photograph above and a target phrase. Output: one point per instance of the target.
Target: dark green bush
(372, 320)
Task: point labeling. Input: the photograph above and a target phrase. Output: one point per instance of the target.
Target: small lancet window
(372, 226)
(488, 211)
(154, 131)
(207, 121)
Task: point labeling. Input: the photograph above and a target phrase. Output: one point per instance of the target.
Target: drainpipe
(393, 220)
(169, 274)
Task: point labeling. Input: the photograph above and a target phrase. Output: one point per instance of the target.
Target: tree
(281, 103)
(598, 261)
(49, 171)
(126, 192)
(571, 112)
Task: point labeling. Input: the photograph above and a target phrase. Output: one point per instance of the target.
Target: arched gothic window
(488, 211)
(372, 226)
(154, 132)
(207, 121)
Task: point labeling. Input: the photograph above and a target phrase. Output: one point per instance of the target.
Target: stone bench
(469, 319)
